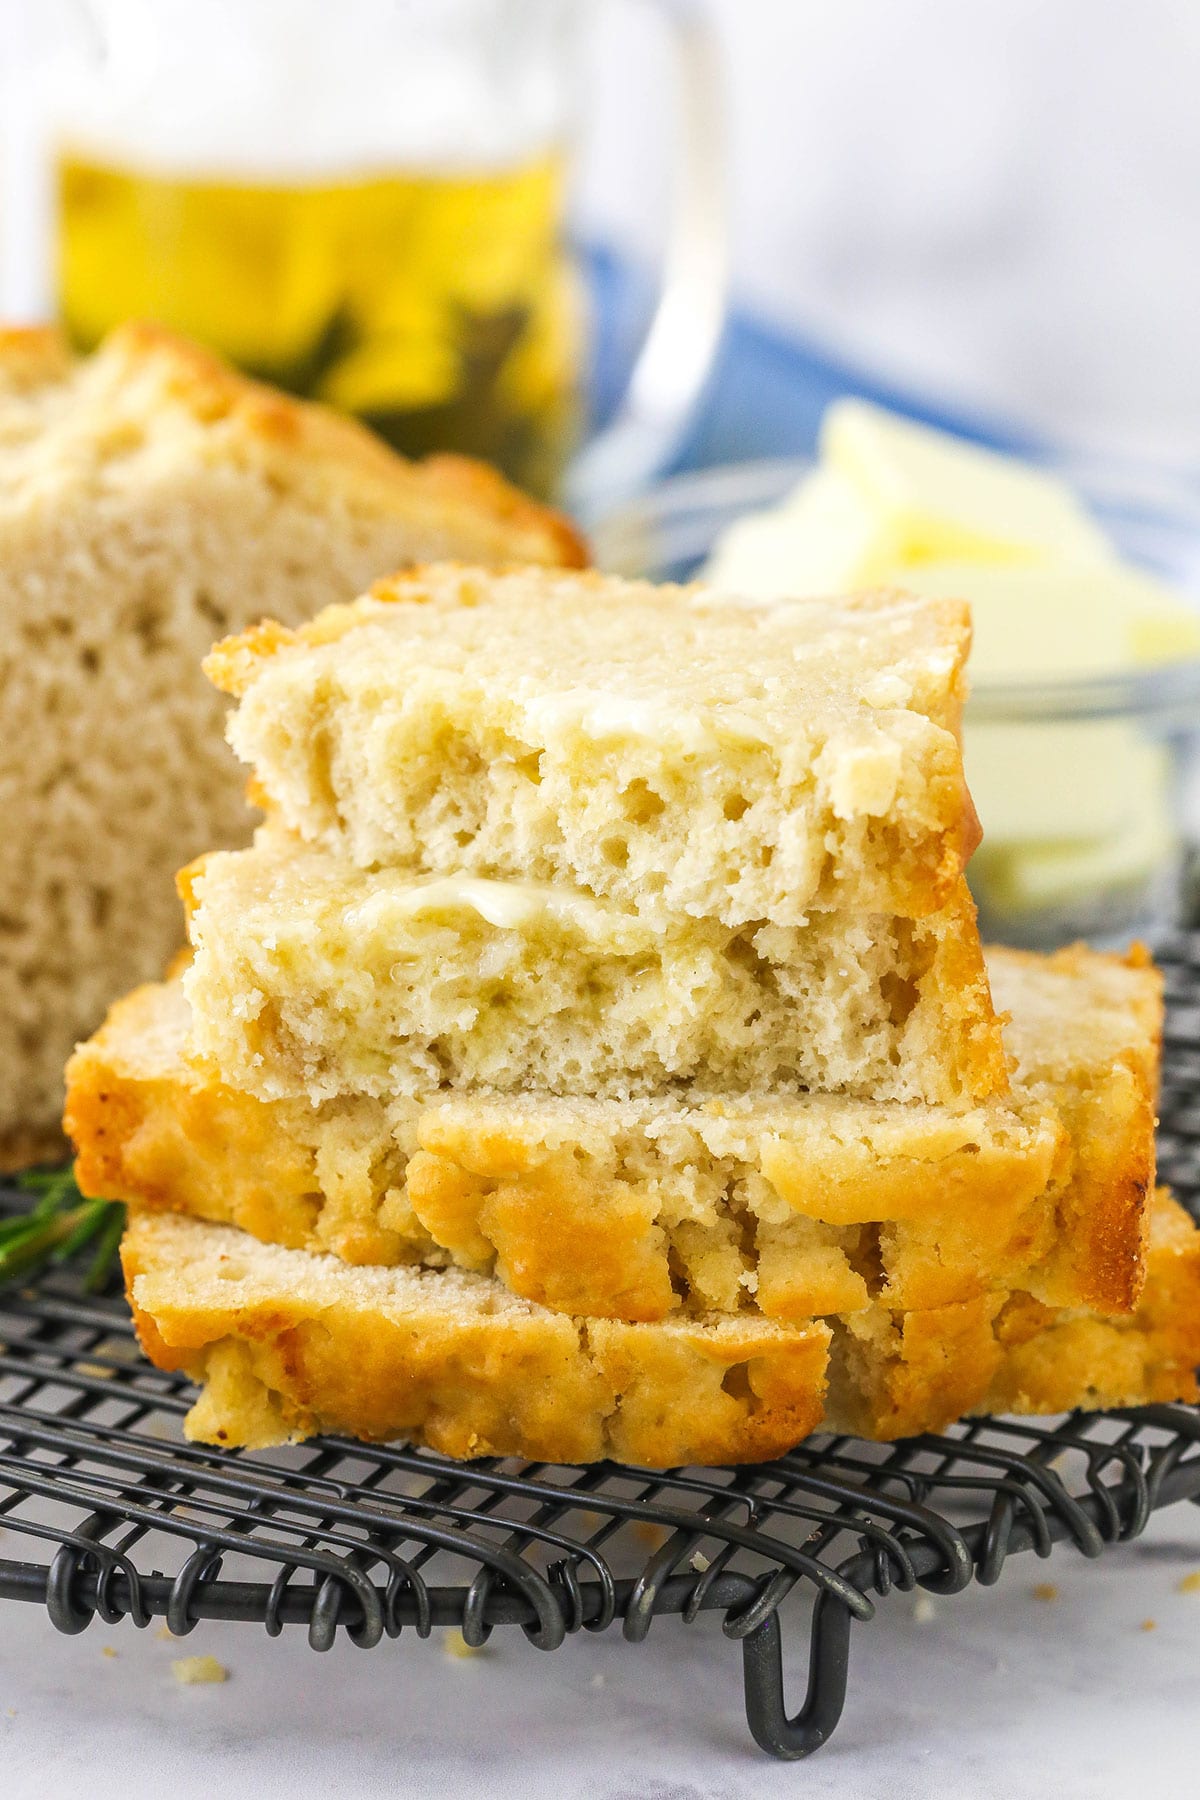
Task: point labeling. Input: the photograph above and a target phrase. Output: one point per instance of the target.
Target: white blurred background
(997, 201)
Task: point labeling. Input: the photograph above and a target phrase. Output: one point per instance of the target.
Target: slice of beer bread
(312, 979)
(672, 749)
(151, 500)
(796, 1205)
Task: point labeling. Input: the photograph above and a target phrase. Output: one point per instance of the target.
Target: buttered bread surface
(673, 749)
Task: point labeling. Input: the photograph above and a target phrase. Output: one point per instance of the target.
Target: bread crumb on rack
(455, 1644)
(197, 1671)
(1190, 1584)
(1045, 1590)
(924, 1611)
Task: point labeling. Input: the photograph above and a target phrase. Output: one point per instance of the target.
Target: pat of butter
(945, 498)
(1068, 809)
(1022, 877)
(629, 717)
(824, 539)
(1031, 624)
(506, 905)
(1037, 783)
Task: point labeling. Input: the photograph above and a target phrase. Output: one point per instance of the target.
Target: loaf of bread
(286, 1343)
(150, 501)
(312, 979)
(797, 1205)
(672, 749)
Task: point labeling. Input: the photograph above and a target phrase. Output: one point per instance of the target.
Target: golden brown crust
(1054, 1360)
(306, 437)
(1107, 1094)
(150, 1129)
(957, 968)
(306, 443)
(290, 1344)
(899, 1374)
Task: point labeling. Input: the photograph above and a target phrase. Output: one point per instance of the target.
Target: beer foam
(271, 92)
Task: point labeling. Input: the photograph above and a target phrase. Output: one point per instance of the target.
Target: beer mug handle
(677, 354)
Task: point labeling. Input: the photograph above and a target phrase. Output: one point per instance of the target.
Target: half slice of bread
(312, 979)
(289, 1343)
(796, 1205)
(673, 749)
(151, 500)
(286, 1343)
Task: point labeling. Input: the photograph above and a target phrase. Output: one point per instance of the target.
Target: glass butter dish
(1088, 783)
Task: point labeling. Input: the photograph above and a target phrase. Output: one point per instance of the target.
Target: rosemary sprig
(59, 1224)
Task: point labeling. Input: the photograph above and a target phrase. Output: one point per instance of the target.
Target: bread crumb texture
(150, 501)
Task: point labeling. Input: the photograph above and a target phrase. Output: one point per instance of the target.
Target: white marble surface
(999, 1693)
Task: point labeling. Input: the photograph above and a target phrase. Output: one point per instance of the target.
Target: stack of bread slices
(594, 1054)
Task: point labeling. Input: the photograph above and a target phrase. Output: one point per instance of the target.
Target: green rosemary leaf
(91, 1217)
(60, 1223)
(101, 1265)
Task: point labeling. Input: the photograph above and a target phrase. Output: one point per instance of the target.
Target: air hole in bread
(642, 803)
(736, 1382)
(899, 994)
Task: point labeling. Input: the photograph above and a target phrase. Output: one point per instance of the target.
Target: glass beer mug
(365, 203)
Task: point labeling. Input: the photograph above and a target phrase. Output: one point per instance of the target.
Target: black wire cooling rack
(108, 1513)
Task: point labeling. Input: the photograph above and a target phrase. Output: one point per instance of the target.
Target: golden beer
(442, 308)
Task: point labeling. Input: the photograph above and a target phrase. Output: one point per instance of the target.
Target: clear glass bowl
(1102, 834)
